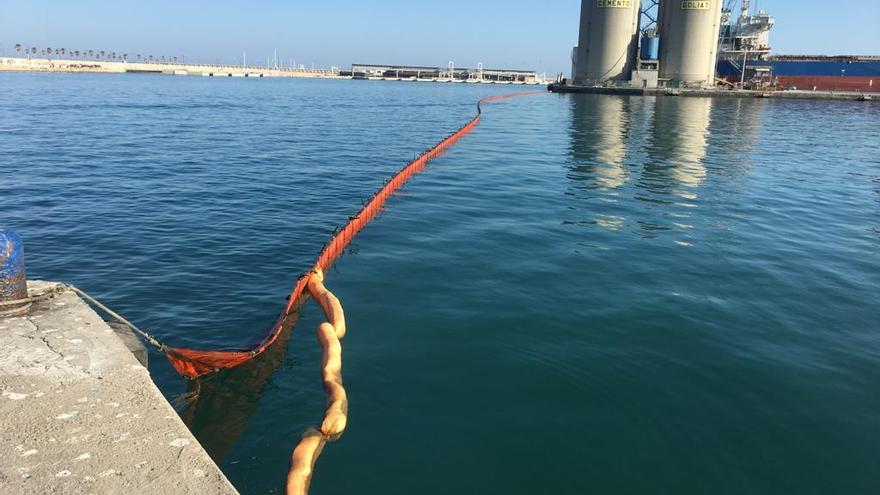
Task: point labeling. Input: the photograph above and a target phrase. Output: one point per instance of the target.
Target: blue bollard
(13, 282)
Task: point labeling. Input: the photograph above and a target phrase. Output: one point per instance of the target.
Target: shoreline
(22, 64)
(82, 414)
(67, 66)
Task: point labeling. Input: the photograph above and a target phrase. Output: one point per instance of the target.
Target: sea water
(588, 294)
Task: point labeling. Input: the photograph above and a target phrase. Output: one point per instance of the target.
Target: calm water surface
(589, 294)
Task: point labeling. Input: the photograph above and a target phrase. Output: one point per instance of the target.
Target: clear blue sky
(511, 34)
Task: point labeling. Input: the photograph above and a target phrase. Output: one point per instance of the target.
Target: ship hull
(830, 83)
(833, 74)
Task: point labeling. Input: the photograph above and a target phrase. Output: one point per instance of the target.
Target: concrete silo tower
(689, 40)
(608, 41)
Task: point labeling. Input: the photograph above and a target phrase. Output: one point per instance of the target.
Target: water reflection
(746, 118)
(735, 131)
(877, 199)
(676, 147)
(680, 138)
(599, 127)
(877, 188)
(678, 142)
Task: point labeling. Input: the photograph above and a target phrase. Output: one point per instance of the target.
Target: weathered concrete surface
(80, 414)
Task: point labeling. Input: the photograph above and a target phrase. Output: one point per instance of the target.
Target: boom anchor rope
(61, 288)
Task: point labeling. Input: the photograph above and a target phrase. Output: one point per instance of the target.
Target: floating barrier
(329, 303)
(193, 363)
(303, 460)
(305, 455)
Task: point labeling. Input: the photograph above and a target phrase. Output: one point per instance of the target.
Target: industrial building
(689, 40)
(608, 40)
(660, 43)
(642, 44)
(450, 73)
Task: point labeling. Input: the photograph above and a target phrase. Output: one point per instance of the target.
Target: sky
(516, 34)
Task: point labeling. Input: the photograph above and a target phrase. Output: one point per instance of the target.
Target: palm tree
(76, 53)
(18, 47)
(125, 57)
(139, 57)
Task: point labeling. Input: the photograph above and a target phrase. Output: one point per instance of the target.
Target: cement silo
(689, 40)
(608, 41)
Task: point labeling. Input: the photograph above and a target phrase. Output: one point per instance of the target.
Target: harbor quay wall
(730, 93)
(79, 412)
(22, 64)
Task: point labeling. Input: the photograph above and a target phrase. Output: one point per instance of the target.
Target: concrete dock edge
(80, 414)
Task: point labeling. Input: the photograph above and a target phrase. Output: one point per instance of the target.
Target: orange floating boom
(193, 363)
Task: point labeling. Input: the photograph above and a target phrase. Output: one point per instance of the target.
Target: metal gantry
(650, 14)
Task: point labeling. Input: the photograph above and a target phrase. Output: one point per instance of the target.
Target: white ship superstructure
(750, 35)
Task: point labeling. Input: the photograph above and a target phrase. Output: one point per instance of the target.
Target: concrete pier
(730, 93)
(80, 414)
(20, 64)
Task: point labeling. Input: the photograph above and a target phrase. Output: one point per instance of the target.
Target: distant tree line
(31, 51)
